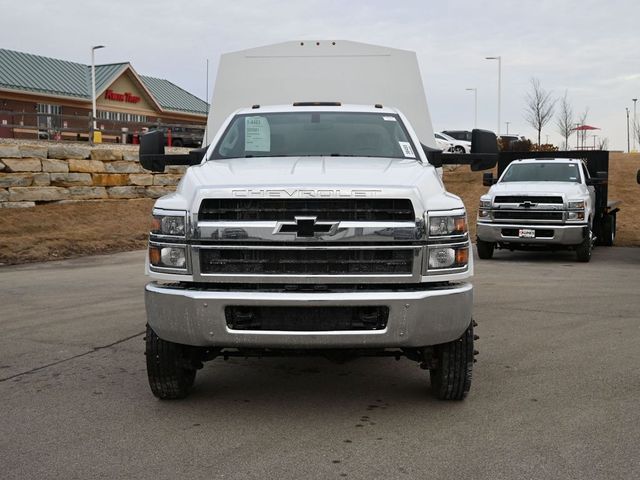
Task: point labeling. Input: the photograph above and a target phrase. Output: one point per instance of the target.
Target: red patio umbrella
(583, 128)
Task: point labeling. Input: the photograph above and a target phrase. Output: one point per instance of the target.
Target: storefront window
(49, 116)
(121, 117)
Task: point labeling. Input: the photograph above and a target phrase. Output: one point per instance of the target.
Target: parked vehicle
(457, 146)
(311, 227)
(546, 202)
(463, 135)
(183, 136)
(508, 140)
(443, 144)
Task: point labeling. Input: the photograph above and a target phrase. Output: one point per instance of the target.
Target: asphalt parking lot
(555, 391)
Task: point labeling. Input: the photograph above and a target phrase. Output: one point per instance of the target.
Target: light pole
(507, 127)
(635, 124)
(475, 106)
(628, 149)
(93, 84)
(499, 85)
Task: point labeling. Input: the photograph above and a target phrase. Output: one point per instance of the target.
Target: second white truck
(545, 203)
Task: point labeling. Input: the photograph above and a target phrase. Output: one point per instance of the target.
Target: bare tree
(603, 143)
(539, 109)
(565, 121)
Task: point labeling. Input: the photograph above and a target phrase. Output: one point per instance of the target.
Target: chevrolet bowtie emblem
(306, 227)
(528, 204)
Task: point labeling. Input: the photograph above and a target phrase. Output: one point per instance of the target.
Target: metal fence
(48, 126)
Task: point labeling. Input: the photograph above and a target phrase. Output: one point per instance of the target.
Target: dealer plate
(527, 233)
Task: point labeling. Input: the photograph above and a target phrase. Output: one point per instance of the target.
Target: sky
(590, 49)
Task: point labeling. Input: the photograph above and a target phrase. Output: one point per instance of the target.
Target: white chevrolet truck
(545, 203)
(311, 228)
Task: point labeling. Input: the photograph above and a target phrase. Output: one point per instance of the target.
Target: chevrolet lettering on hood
(304, 193)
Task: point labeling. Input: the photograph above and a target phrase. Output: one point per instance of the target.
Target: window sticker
(389, 119)
(573, 175)
(407, 150)
(257, 134)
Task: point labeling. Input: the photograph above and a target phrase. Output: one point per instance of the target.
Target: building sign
(121, 97)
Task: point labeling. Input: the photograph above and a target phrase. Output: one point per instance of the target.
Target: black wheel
(485, 249)
(451, 378)
(458, 149)
(176, 143)
(171, 367)
(583, 251)
(608, 230)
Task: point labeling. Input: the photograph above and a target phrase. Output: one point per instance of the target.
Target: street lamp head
(634, 99)
(97, 47)
(492, 58)
(470, 89)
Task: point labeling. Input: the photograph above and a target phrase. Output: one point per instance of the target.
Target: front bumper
(416, 317)
(545, 234)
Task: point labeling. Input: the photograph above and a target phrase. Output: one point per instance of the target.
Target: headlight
(575, 216)
(448, 257)
(485, 203)
(447, 225)
(171, 224)
(167, 257)
(576, 205)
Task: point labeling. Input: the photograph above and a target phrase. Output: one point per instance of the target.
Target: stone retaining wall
(34, 174)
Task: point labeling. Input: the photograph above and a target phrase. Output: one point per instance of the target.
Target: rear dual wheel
(608, 230)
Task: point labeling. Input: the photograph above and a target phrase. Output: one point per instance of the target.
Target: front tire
(583, 251)
(451, 378)
(458, 149)
(485, 249)
(171, 367)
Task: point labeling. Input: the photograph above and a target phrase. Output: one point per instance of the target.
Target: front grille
(526, 198)
(527, 215)
(343, 209)
(306, 262)
(306, 319)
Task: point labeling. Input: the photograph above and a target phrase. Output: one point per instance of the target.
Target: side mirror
(434, 155)
(600, 178)
(152, 150)
(638, 176)
(484, 149)
(483, 141)
(487, 179)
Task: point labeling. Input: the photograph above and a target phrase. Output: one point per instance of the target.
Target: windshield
(542, 172)
(315, 134)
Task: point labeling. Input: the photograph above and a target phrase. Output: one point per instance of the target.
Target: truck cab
(539, 203)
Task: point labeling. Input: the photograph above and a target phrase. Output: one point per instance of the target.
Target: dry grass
(55, 231)
(50, 232)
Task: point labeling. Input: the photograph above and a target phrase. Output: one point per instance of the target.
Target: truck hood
(310, 177)
(569, 189)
